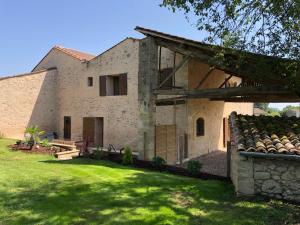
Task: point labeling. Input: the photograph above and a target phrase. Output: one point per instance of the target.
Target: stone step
(67, 154)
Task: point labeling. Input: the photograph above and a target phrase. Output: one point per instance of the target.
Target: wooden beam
(270, 98)
(211, 69)
(166, 103)
(184, 60)
(226, 80)
(226, 92)
(171, 101)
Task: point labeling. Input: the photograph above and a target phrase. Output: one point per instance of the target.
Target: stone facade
(77, 100)
(127, 119)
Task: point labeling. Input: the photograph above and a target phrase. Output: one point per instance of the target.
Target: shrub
(1, 135)
(158, 162)
(194, 167)
(33, 133)
(98, 153)
(127, 157)
(45, 143)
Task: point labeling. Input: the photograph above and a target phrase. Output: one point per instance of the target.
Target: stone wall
(277, 178)
(26, 100)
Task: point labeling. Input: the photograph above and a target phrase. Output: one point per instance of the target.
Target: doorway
(93, 130)
(67, 127)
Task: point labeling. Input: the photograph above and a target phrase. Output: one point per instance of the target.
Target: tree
(269, 27)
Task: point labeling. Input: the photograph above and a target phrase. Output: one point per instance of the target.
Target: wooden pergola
(264, 78)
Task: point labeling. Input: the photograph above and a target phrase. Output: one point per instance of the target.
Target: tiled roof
(74, 53)
(266, 134)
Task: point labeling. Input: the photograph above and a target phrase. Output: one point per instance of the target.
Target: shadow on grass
(138, 198)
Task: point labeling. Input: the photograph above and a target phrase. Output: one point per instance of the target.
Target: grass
(37, 189)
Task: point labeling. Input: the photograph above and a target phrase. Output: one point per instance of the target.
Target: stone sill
(270, 156)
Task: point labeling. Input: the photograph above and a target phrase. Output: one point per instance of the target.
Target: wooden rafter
(211, 69)
(226, 80)
(184, 60)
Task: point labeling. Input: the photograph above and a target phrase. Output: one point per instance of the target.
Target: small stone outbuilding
(265, 156)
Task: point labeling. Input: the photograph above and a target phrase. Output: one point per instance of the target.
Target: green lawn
(37, 189)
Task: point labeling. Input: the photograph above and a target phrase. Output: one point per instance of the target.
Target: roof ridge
(70, 51)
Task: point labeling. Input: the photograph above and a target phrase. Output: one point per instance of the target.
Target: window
(163, 74)
(90, 81)
(113, 85)
(200, 127)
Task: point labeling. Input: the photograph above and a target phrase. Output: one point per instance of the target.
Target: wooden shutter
(102, 81)
(123, 84)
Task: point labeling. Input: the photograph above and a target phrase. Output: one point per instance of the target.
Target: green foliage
(273, 111)
(261, 105)
(45, 143)
(194, 167)
(127, 158)
(287, 108)
(98, 153)
(266, 26)
(34, 132)
(158, 162)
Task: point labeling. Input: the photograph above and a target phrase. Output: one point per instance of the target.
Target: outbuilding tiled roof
(75, 53)
(266, 134)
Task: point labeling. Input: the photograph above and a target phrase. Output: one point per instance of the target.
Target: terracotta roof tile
(266, 134)
(74, 53)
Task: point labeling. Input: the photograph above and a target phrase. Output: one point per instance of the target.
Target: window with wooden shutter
(163, 74)
(102, 81)
(123, 84)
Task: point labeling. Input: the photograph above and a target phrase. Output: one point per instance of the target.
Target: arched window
(200, 127)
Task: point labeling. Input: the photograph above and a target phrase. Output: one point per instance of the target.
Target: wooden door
(88, 129)
(67, 127)
(165, 143)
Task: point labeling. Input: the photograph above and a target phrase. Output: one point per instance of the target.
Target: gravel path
(214, 163)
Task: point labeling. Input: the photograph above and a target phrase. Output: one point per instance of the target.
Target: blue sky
(29, 29)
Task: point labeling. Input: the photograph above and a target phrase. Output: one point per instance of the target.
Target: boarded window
(90, 82)
(102, 81)
(164, 73)
(200, 127)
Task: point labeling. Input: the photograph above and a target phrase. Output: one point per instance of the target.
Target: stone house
(113, 98)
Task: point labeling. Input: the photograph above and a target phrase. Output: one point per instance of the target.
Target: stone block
(287, 176)
(271, 186)
(245, 187)
(262, 175)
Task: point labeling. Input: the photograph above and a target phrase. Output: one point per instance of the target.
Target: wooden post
(228, 158)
